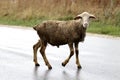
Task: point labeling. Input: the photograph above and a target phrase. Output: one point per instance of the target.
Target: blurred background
(31, 12)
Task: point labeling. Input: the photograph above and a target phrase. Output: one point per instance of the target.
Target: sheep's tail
(35, 27)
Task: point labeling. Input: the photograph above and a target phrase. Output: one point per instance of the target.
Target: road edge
(88, 34)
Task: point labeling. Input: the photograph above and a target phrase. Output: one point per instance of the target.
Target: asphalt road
(99, 57)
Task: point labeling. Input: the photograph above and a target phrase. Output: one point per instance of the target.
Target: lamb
(59, 33)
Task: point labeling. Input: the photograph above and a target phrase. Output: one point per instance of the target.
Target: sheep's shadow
(37, 75)
(67, 76)
(40, 74)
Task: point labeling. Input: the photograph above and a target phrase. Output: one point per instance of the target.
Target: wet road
(99, 57)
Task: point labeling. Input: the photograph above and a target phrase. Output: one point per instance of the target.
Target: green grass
(100, 28)
(95, 27)
(20, 22)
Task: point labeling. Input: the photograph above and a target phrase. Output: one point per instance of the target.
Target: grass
(20, 22)
(32, 12)
(100, 28)
(95, 27)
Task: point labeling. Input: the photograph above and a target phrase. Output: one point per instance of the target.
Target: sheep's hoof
(37, 64)
(79, 67)
(63, 64)
(49, 67)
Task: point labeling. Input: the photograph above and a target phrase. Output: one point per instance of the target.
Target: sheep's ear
(92, 16)
(77, 17)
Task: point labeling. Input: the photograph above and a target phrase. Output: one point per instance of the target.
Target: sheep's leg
(71, 54)
(77, 57)
(42, 50)
(35, 48)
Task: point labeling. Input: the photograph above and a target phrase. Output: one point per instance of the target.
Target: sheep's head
(85, 18)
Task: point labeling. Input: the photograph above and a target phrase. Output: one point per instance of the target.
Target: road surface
(99, 57)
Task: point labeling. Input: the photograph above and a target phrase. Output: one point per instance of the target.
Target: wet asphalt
(99, 58)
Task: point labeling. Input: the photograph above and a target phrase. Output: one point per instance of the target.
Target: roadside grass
(95, 27)
(20, 22)
(31, 12)
(101, 28)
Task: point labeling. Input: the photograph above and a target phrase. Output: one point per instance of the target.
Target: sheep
(59, 33)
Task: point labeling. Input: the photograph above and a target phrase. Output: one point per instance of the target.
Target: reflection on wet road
(99, 57)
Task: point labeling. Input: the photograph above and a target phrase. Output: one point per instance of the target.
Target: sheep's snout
(85, 25)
